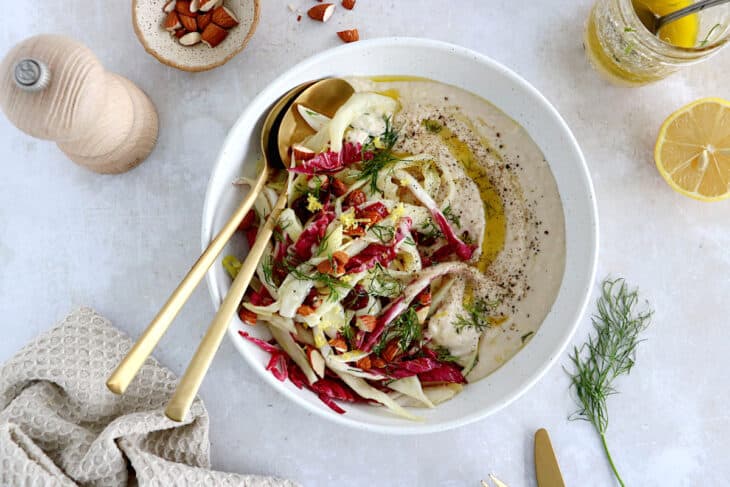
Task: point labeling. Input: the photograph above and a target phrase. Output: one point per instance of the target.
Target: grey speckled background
(121, 243)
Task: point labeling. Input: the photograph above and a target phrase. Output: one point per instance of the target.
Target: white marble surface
(121, 243)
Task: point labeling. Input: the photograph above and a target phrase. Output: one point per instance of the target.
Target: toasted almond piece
(183, 7)
(224, 17)
(169, 6)
(247, 316)
(348, 4)
(203, 20)
(214, 35)
(180, 33)
(302, 153)
(207, 5)
(351, 35)
(194, 5)
(322, 12)
(326, 267)
(317, 361)
(305, 310)
(366, 322)
(189, 23)
(341, 257)
(172, 22)
(364, 363)
(339, 344)
(190, 39)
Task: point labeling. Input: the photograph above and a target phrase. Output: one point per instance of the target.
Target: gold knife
(547, 469)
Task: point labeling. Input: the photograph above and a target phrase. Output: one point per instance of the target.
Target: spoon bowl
(325, 97)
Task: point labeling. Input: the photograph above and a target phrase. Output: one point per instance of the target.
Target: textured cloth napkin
(59, 425)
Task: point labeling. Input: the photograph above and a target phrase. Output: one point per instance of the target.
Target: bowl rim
(586, 280)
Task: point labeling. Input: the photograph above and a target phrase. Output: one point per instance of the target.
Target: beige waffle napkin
(59, 425)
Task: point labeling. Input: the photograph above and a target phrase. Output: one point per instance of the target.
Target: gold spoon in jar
(126, 371)
(654, 23)
(325, 97)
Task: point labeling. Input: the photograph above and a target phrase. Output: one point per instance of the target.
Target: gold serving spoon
(324, 96)
(126, 371)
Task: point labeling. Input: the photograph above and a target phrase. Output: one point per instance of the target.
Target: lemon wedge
(692, 150)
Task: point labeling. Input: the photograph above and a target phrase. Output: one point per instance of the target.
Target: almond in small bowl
(222, 30)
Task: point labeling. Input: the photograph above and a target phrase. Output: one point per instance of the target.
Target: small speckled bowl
(147, 18)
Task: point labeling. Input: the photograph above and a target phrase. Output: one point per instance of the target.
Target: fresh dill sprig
(443, 354)
(432, 126)
(477, 316)
(279, 231)
(406, 329)
(409, 241)
(451, 216)
(707, 37)
(384, 233)
(381, 148)
(323, 244)
(607, 355)
(267, 266)
(348, 333)
(333, 285)
(430, 230)
(382, 283)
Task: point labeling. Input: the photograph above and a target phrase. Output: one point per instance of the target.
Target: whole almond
(172, 22)
(183, 7)
(189, 23)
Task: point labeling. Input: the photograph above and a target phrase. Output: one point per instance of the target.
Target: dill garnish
(409, 241)
(430, 230)
(279, 231)
(443, 354)
(323, 244)
(432, 126)
(267, 266)
(477, 317)
(406, 329)
(333, 285)
(707, 37)
(384, 233)
(607, 355)
(382, 149)
(348, 333)
(451, 216)
(382, 283)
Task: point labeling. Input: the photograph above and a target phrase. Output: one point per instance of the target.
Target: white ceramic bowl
(517, 98)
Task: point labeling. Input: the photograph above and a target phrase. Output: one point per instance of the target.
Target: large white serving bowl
(518, 99)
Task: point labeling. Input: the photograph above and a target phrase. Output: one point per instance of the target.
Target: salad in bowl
(422, 245)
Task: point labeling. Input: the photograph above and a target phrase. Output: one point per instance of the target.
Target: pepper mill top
(53, 87)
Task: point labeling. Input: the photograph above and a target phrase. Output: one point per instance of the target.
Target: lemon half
(692, 150)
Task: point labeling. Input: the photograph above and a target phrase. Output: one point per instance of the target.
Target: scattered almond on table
(322, 12)
(194, 21)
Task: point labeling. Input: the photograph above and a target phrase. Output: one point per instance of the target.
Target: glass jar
(621, 48)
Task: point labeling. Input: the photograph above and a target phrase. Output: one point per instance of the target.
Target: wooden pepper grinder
(54, 88)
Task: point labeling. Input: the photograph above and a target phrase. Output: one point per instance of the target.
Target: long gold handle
(188, 386)
(121, 377)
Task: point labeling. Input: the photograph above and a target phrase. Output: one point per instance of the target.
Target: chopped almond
(424, 297)
(326, 267)
(373, 217)
(378, 362)
(338, 187)
(366, 322)
(321, 12)
(357, 231)
(305, 310)
(172, 22)
(341, 257)
(356, 198)
(364, 363)
(339, 344)
(391, 350)
(204, 20)
(189, 23)
(247, 316)
(348, 36)
(348, 4)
